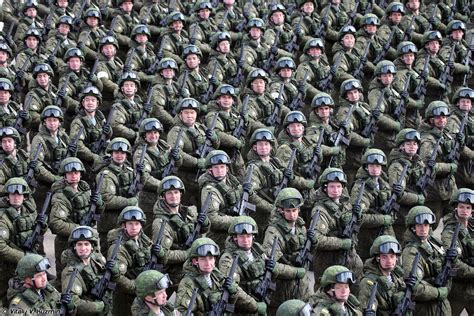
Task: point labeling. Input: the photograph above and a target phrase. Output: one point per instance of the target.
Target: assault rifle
(292, 45)
(100, 145)
(420, 90)
(313, 169)
(469, 61)
(429, 172)
(62, 91)
(206, 147)
(241, 129)
(111, 31)
(409, 30)
(30, 175)
(369, 7)
(183, 84)
(305, 257)
(239, 77)
(70, 283)
(371, 128)
(341, 136)
(245, 18)
(221, 25)
(359, 72)
(36, 237)
(385, 48)
(47, 26)
(401, 109)
(268, 65)
(352, 15)
(78, 14)
(104, 284)
(92, 215)
(298, 102)
(370, 310)
(327, 84)
(127, 66)
(391, 206)
(153, 263)
(245, 207)
(192, 37)
(18, 125)
(284, 182)
(197, 228)
(92, 72)
(407, 303)
(453, 11)
(211, 88)
(446, 77)
(54, 52)
(136, 185)
(274, 118)
(432, 18)
(170, 167)
(454, 154)
(146, 111)
(192, 302)
(352, 228)
(223, 304)
(19, 74)
(442, 278)
(154, 66)
(267, 284)
(74, 142)
(321, 31)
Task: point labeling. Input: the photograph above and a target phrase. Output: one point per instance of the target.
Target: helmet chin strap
(153, 302)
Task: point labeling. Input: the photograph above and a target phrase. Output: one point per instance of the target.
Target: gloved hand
(261, 308)
(451, 64)
(41, 218)
(298, 30)
(20, 73)
(411, 281)
(62, 93)
(201, 163)
(270, 265)
(174, 153)
(388, 220)
(288, 173)
(99, 307)
(213, 81)
(127, 68)
(96, 197)
(421, 199)
(202, 218)
(247, 186)
(133, 201)
(238, 144)
(158, 251)
(140, 167)
(346, 244)
(33, 165)
(404, 94)
(311, 234)
(397, 189)
(460, 139)
(356, 208)
(210, 134)
(66, 299)
(300, 273)
(432, 20)
(107, 129)
(230, 285)
(278, 102)
(453, 167)
(51, 60)
(23, 114)
(112, 266)
(301, 87)
(273, 50)
(369, 313)
(451, 254)
(376, 114)
(443, 293)
(431, 163)
(147, 107)
(72, 148)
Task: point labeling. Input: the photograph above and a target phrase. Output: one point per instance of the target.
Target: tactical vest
(57, 151)
(293, 242)
(80, 202)
(140, 255)
(23, 223)
(265, 105)
(51, 298)
(210, 296)
(230, 191)
(19, 168)
(133, 112)
(91, 132)
(8, 119)
(122, 178)
(273, 176)
(335, 212)
(386, 289)
(159, 157)
(252, 271)
(181, 227)
(431, 259)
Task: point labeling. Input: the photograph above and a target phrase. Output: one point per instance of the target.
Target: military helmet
(407, 134)
(370, 19)
(285, 62)
(5, 48)
(167, 63)
(10, 132)
(119, 144)
(337, 274)
(295, 307)
(201, 5)
(16, 185)
(175, 16)
(131, 213)
(462, 195)
(92, 91)
(73, 52)
(93, 13)
(192, 50)
(129, 76)
(262, 134)
(71, 164)
(313, 43)
(395, 7)
(277, 7)
(347, 29)
(322, 99)
(188, 103)
(202, 247)
(289, 198)
(170, 183)
(150, 281)
(220, 37)
(83, 233)
(242, 225)
(348, 85)
(256, 22)
(431, 36)
(256, 73)
(225, 89)
(43, 68)
(455, 25)
(420, 215)
(150, 124)
(437, 108)
(217, 157)
(33, 32)
(406, 47)
(64, 19)
(332, 175)
(385, 67)
(294, 117)
(108, 40)
(29, 4)
(6, 85)
(385, 244)
(463, 93)
(30, 264)
(374, 156)
(52, 111)
(140, 29)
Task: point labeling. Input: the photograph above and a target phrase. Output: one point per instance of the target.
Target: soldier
(141, 56)
(28, 56)
(17, 220)
(6, 68)
(337, 18)
(118, 177)
(92, 32)
(221, 57)
(384, 268)
(462, 201)
(439, 192)
(63, 39)
(127, 18)
(9, 109)
(35, 293)
(83, 254)
(134, 254)
(332, 201)
(406, 153)
(415, 19)
(253, 259)
(151, 294)
(197, 81)
(203, 26)
(29, 19)
(306, 10)
(153, 14)
(70, 205)
(276, 22)
(334, 296)
(289, 228)
(393, 16)
(225, 190)
(157, 156)
(175, 38)
(367, 35)
(345, 51)
(294, 308)
(201, 273)
(181, 221)
(284, 69)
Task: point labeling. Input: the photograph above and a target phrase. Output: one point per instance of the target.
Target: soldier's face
(353, 96)
(413, 5)
(308, 7)
(464, 210)
(31, 12)
(244, 241)
(204, 14)
(285, 73)
(224, 47)
(52, 123)
(90, 103)
(3, 57)
(167, 73)
(225, 101)
(278, 18)
(219, 171)
(119, 157)
(295, 129)
(159, 298)
(348, 41)
(205, 264)
(109, 50)
(173, 197)
(92, 21)
(83, 249)
(371, 29)
(334, 190)
(74, 63)
(386, 79)
(177, 26)
(188, 117)
(314, 52)
(73, 177)
(408, 58)
(133, 228)
(62, 3)
(40, 280)
(258, 86)
(127, 6)
(141, 38)
(465, 104)
(457, 35)
(374, 170)
(387, 261)
(291, 214)
(4, 96)
(335, 2)
(192, 61)
(432, 47)
(439, 121)
(263, 148)
(42, 79)
(15, 199)
(422, 230)
(324, 112)
(341, 292)
(152, 137)
(129, 88)
(410, 147)
(64, 29)
(255, 33)
(32, 42)
(229, 2)
(8, 145)
(395, 17)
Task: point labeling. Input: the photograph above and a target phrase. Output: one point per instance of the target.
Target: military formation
(238, 157)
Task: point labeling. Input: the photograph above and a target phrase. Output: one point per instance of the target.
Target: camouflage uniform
(173, 42)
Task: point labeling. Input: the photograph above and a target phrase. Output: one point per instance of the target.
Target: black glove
(298, 30)
(107, 129)
(432, 20)
(72, 148)
(404, 94)
(20, 74)
(369, 313)
(94, 197)
(51, 59)
(451, 254)
(126, 68)
(460, 138)
(201, 218)
(278, 102)
(356, 208)
(301, 86)
(431, 163)
(311, 234)
(397, 189)
(62, 93)
(410, 281)
(33, 164)
(230, 285)
(274, 50)
(66, 298)
(209, 133)
(174, 153)
(247, 186)
(158, 250)
(270, 265)
(23, 114)
(288, 173)
(140, 167)
(376, 114)
(451, 64)
(213, 80)
(147, 107)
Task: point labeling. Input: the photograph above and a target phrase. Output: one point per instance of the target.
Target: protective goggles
(296, 117)
(388, 69)
(73, 166)
(244, 228)
(425, 218)
(227, 89)
(413, 135)
(5, 86)
(286, 63)
(191, 49)
(307, 310)
(207, 249)
(133, 215)
(91, 90)
(172, 184)
(290, 203)
(219, 159)
(108, 40)
(189, 103)
(57, 113)
(434, 36)
(466, 197)
(376, 159)
(336, 176)
(441, 111)
(410, 48)
(321, 101)
(41, 68)
(43, 265)
(7, 131)
(120, 146)
(153, 126)
(264, 135)
(164, 282)
(345, 277)
(371, 21)
(353, 84)
(458, 25)
(397, 8)
(389, 247)
(168, 64)
(466, 93)
(259, 73)
(16, 188)
(82, 233)
(142, 29)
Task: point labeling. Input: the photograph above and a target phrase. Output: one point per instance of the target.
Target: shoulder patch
(3, 233)
(122, 267)
(62, 214)
(16, 301)
(325, 312)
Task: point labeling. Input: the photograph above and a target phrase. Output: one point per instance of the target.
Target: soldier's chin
(82, 257)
